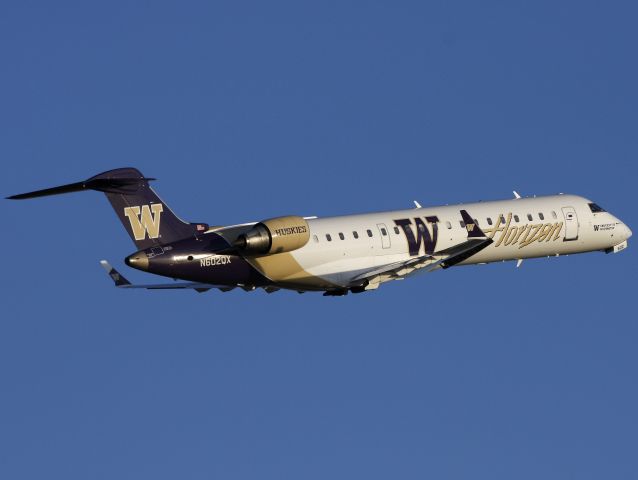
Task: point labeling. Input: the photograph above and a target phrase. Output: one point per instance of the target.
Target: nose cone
(138, 260)
(627, 232)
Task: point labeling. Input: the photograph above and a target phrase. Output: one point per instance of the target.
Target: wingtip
(114, 274)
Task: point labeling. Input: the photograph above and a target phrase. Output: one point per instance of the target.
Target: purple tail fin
(148, 221)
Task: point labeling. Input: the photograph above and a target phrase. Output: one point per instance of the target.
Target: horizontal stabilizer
(122, 282)
(108, 185)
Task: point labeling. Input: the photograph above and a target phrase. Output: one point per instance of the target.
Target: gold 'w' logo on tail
(145, 223)
(470, 227)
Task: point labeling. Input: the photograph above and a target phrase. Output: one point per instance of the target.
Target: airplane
(350, 253)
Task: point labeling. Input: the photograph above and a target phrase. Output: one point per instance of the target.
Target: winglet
(114, 274)
(473, 230)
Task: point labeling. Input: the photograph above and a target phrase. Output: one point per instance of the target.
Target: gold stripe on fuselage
(282, 268)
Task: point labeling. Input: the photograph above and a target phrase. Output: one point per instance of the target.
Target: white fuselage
(342, 248)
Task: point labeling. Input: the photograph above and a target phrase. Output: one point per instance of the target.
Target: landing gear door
(385, 235)
(571, 223)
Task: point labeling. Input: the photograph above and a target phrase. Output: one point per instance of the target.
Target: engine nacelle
(276, 235)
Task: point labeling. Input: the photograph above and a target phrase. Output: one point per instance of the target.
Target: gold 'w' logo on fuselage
(145, 223)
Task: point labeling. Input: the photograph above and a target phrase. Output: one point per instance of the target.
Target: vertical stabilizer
(147, 219)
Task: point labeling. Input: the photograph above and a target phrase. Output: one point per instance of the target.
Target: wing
(122, 282)
(476, 241)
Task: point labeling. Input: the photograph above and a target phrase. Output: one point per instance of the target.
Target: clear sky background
(248, 110)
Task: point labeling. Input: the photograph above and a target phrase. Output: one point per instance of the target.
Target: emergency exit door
(385, 235)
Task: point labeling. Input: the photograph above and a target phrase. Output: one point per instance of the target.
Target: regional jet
(338, 255)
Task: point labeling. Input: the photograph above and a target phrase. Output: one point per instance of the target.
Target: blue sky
(247, 110)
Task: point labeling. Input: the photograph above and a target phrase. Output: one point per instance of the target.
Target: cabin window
(328, 237)
(529, 217)
(489, 221)
(554, 214)
(384, 232)
(516, 218)
(396, 230)
(502, 218)
(541, 216)
(315, 238)
(448, 224)
(462, 223)
(341, 236)
(595, 208)
(421, 227)
(355, 234)
(476, 222)
(369, 233)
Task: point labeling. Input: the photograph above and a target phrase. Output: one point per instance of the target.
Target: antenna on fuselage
(516, 195)
(417, 204)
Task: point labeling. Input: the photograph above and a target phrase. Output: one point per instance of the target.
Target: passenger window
(328, 237)
(529, 217)
(476, 222)
(396, 230)
(554, 214)
(462, 223)
(421, 227)
(516, 218)
(448, 224)
(315, 238)
(384, 232)
(540, 215)
(489, 221)
(341, 236)
(369, 233)
(355, 234)
(502, 219)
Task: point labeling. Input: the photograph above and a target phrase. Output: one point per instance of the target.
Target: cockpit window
(596, 208)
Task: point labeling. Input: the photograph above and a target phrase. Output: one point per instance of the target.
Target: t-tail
(147, 219)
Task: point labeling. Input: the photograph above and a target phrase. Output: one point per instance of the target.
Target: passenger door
(571, 223)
